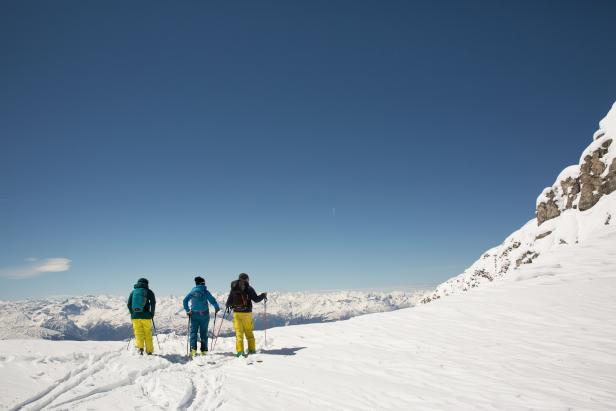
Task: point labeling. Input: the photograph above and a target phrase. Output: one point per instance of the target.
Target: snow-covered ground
(106, 318)
(543, 338)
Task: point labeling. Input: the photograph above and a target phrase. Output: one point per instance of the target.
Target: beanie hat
(244, 276)
(143, 280)
(199, 280)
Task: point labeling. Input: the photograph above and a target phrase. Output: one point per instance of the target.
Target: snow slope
(106, 318)
(543, 338)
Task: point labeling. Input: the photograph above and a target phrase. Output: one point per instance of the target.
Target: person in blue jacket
(199, 313)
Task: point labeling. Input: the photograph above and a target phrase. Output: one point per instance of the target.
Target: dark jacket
(150, 305)
(247, 295)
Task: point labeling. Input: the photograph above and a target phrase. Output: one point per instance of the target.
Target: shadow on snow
(283, 351)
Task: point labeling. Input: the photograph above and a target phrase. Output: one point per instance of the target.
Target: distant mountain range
(102, 317)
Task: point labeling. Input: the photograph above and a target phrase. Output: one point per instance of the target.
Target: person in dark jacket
(240, 300)
(199, 313)
(141, 305)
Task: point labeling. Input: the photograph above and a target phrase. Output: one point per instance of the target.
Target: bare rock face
(543, 235)
(590, 179)
(571, 188)
(590, 193)
(582, 186)
(548, 209)
(609, 183)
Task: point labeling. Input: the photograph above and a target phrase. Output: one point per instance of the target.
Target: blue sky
(314, 145)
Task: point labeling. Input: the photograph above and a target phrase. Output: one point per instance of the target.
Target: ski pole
(156, 334)
(215, 333)
(188, 338)
(265, 323)
(128, 344)
(219, 328)
(214, 328)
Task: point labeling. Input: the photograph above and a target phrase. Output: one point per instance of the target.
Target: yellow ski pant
(143, 333)
(242, 322)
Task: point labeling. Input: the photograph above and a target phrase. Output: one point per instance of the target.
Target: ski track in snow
(201, 389)
(64, 384)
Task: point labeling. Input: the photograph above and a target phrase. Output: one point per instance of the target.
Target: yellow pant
(242, 322)
(143, 331)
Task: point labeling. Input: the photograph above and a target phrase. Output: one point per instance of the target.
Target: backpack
(140, 298)
(239, 295)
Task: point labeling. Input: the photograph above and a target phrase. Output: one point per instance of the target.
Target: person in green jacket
(142, 305)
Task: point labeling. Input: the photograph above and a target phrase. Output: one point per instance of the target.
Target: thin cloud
(36, 268)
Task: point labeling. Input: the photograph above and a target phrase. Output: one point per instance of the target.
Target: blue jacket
(200, 297)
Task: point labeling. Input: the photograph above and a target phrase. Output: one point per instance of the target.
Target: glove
(228, 310)
(264, 296)
(189, 313)
(216, 311)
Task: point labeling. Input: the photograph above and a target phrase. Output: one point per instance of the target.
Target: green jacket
(150, 306)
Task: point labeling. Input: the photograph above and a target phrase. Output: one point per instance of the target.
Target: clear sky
(314, 145)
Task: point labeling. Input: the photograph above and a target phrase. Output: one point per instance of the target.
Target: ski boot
(140, 351)
(193, 352)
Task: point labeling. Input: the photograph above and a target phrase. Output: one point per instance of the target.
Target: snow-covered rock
(579, 206)
(105, 317)
(581, 186)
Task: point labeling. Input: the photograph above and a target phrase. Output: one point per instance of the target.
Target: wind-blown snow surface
(541, 338)
(106, 318)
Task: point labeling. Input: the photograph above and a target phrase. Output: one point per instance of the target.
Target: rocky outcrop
(526, 258)
(546, 210)
(582, 186)
(591, 181)
(543, 235)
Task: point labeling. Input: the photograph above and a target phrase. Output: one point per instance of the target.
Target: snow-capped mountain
(577, 207)
(106, 317)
